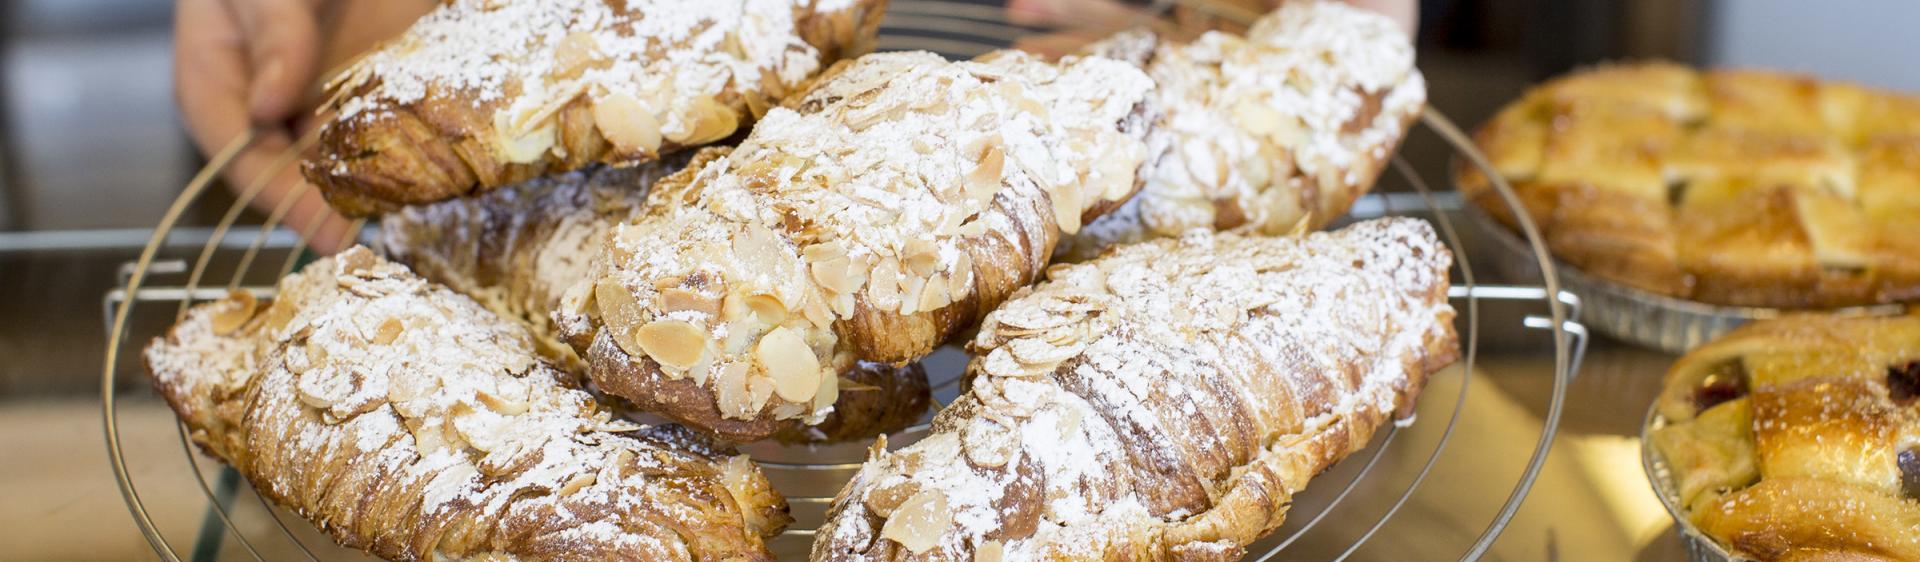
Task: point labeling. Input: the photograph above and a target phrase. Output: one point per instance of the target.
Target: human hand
(253, 64)
(1079, 22)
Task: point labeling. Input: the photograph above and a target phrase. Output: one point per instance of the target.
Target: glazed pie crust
(1741, 188)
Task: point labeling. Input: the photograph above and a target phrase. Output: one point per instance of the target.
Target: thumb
(283, 47)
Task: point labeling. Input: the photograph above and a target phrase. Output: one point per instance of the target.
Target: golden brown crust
(1739, 188)
(1795, 438)
(518, 248)
(408, 421)
(873, 219)
(1162, 402)
(479, 95)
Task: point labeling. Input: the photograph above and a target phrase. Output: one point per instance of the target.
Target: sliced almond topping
(833, 276)
(960, 280)
(1116, 168)
(734, 307)
(388, 331)
(828, 393)
(759, 389)
(524, 144)
(792, 365)
(843, 305)
(985, 178)
(618, 309)
(757, 104)
(911, 288)
(627, 123)
(921, 256)
(1067, 207)
(1039, 352)
(934, 295)
(819, 313)
(429, 439)
(280, 314)
(1256, 117)
(767, 308)
(885, 499)
(824, 251)
(730, 391)
(883, 289)
(706, 120)
(232, 316)
(577, 483)
(700, 369)
(508, 397)
(623, 337)
(673, 343)
(677, 299)
(503, 403)
(574, 54)
(990, 551)
(322, 388)
(919, 523)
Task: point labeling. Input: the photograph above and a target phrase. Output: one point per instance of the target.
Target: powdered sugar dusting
(1177, 381)
(1291, 122)
(387, 409)
(510, 52)
(879, 191)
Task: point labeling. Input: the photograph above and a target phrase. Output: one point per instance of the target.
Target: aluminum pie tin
(1699, 546)
(1640, 317)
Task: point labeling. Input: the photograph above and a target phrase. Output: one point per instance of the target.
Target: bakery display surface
(1796, 438)
(983, 161)
(1747, 192)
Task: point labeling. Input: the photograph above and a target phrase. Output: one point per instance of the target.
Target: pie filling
(1903, 382)
(1727, 382)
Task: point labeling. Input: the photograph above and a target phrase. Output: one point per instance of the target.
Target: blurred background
(92, 151)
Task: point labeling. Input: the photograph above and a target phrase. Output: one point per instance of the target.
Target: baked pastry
(517, 249)
(1162, 402)
(884, 211)
(482, 93)
(1799, 437)
(408, 421)
(1741, 188)
(1286, 125)
(875, 399)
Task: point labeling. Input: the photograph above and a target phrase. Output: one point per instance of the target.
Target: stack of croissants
(727, 216)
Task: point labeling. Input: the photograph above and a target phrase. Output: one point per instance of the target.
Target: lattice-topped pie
(1799, 438)
(1741, 188)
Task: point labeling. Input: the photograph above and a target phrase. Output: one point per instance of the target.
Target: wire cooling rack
(1358, 496)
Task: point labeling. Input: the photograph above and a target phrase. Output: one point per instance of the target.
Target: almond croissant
(885, 210)
(485, 93)
(408, 421)
(1162, 402)
(517, 248)
(1290, 123)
